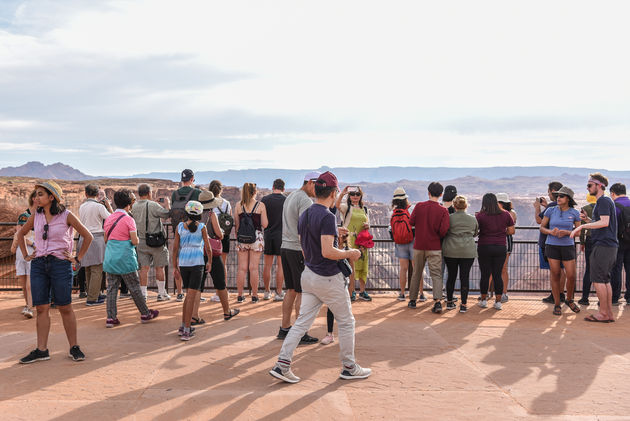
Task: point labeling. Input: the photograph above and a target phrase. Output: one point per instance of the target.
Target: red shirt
(432, 222)
(492, 228)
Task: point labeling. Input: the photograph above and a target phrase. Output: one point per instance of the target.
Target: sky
(128, 87)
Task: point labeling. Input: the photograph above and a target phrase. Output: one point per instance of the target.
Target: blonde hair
(247, 193)
(460, 203)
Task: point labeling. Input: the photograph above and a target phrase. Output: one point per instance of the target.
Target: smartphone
(161, 200)
(541, 199)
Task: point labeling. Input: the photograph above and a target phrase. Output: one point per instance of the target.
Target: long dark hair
(489, 205)
(192, 227)
(506, 206)
(400, 203)
(349, 201)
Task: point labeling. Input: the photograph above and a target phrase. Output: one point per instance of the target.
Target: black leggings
(217, 273)
(464, 266)
(330, 320)
(491, 261)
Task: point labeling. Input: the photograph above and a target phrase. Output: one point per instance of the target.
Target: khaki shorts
(152, 256)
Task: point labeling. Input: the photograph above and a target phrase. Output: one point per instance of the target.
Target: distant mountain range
(38, 170)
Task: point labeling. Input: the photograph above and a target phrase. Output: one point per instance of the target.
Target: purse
(217, 247)
(153, 240)
(344, 267)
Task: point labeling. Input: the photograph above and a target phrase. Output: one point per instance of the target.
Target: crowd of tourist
(318, 240)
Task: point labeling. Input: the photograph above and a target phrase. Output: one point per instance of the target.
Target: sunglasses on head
(45, 236)
(354, 193)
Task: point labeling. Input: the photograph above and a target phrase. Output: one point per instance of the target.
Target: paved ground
(519, 363)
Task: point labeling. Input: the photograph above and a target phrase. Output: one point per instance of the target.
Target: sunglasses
(45, 236)
(562, 196)
(589, 185)
(354, 193)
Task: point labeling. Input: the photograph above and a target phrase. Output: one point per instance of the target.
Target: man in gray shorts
(603, 228)
(147, 215)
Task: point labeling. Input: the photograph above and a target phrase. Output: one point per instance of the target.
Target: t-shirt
(139, 211)
(315, 222)
(563, 220)
(274, 202)
(607, 236)
(542, 238)
(92, 214)
(492, 228)
(295, 203)
(123, 227)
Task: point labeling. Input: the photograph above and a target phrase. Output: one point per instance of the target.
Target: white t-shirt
(92, 214)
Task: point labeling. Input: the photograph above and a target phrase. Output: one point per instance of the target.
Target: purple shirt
(60, 235)
(313, 223)
(492, 228)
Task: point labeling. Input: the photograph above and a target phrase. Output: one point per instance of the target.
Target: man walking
(291, 253)
(273, 239)
(622, 204)
(323, 283)
(148, 216)
(431, 221)
(603, 228)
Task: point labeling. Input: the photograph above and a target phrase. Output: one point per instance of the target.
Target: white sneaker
(28, 312)
(24, 310)
(504, 298)
(163, 297)
(357, 372)
(215, 298)
(483, 303)
(267, 295)
(497, 305)
(278, 297)
(284, 374)
(328, 339)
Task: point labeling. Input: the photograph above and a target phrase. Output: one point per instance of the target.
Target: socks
(143, 289)
(161, 287)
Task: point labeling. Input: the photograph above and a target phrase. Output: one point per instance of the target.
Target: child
(22, 267)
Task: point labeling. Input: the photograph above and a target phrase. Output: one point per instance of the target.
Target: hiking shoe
(353, 297)
(240, 299)
(278, 297)
(284, 373)
(103, 296)
(328, 339)
(163, 297)
(450, 305)
(35, 355)
(82, 294)
(437, 307)
(422, 298)
(401, 297)
(308, 340)
(91, 303)
(411, 304)
(76, 354)
(112, 322)
(498, 305)
(254, 299)
(215, 298)
(357, 372)
(180, 298)
(462, 308)
(365, 296)
(584, 302)
(28, 313)
(483, 303)
(187, 335)
(548, 300)
(180, 332)
(504, 298)
(145, 318)
(267, 295)
(282, 333)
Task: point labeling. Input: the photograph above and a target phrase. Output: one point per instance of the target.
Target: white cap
(503, 197)
(313, 175)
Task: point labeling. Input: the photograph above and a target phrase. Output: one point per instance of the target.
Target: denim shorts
(51, 278)
(404, 251)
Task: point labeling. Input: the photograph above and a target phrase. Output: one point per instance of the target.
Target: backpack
(246, 230)
(623, 224)
(226, 222)
(178, 214)
(401, 228)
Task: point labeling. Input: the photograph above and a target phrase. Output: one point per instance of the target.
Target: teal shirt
(460, 238)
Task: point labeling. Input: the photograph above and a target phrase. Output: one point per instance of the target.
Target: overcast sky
(123, 87)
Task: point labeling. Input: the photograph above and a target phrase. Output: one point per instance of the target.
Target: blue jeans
(51, 276)
(623, 262)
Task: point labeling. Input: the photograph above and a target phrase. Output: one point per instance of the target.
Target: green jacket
(460, 238)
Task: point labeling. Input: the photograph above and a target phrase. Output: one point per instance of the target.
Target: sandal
(591, 318)
(233, 313)
(195, 321)
(557, 310)
(572, 306)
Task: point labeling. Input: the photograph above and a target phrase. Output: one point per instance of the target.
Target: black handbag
(153, 240)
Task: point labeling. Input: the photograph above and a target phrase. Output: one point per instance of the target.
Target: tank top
(190, 246)
(59, 235)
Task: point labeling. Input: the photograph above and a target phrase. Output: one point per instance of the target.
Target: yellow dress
(355, 226)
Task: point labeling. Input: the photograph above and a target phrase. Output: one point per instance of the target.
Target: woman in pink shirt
(51, 267)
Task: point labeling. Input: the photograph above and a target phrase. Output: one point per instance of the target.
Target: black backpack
(623, 224)
(178, 214)
(226, 222)
(246, 230)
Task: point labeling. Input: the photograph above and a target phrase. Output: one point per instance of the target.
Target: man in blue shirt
(322, 282)
(603, 228)
(618, 194)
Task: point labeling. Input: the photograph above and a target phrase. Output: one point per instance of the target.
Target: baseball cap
(53, 188)
(193, 208)
(313, 175)
(187, 175)
(503, 197)
(327, 179)
(449, 193)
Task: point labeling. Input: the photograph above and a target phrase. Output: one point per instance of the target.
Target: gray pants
(133, 284)
(434, 259)
(318, 290)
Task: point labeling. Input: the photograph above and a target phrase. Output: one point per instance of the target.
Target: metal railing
(523, 269)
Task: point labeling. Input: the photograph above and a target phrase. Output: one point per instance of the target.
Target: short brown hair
(600, 177)
(460, 202)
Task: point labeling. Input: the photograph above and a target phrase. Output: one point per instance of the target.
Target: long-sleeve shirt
(431, 222)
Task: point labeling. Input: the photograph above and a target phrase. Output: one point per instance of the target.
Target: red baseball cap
(327, 179)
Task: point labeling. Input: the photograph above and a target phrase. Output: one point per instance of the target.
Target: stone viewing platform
(518, 363)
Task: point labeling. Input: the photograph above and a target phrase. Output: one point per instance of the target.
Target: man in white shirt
(92, 214)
